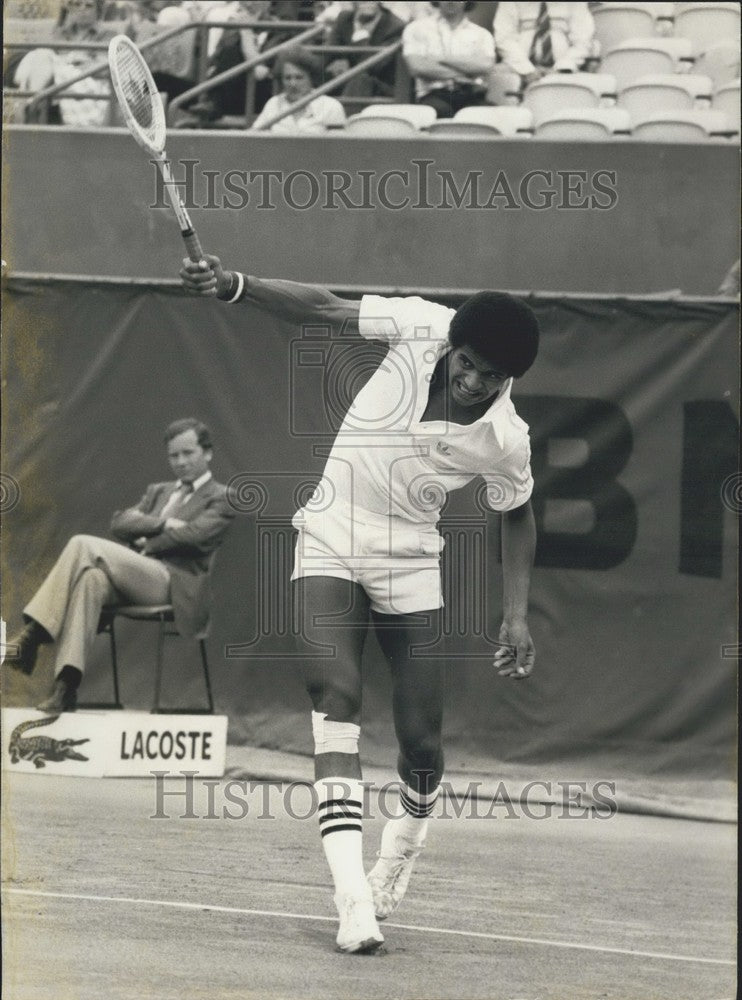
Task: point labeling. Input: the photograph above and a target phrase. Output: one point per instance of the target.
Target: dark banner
(634, 426)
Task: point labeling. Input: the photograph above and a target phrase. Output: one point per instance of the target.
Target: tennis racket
(144, 115)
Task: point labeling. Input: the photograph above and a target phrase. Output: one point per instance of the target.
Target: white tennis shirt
(384, 461)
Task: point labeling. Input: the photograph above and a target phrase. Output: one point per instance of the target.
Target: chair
(665, 92)
(503, 87)
(450, 128)
(584, 124)
(163, 615)
(507, 120)
(557, 91)
(721, 62)
(638, 57)
(418, 115)
(706, 24)
(682, 126)
(378, 127)
(727, 99)
(617, 22)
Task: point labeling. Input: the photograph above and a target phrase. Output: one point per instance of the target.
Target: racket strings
(143, 102)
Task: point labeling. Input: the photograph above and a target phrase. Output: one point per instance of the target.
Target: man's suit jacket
(386, 30)
(186, 551)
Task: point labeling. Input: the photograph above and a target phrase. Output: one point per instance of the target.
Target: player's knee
(421, 751)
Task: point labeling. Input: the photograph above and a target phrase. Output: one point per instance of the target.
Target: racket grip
(193, 245)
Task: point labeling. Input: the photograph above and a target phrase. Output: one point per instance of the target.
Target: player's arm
(518, 551)
(288, 300)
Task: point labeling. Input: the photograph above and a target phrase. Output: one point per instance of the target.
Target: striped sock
(340, 812)
(413, 824)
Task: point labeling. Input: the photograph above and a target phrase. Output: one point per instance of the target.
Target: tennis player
(434, 415)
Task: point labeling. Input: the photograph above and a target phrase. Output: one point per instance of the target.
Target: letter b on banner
(585, 518)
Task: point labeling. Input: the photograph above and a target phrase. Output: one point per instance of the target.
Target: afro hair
(499, 327)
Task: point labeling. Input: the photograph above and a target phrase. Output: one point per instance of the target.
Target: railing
(37, 108)
(39, 105)
(248, 64)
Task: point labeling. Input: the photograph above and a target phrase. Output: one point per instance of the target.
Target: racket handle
(193, 245)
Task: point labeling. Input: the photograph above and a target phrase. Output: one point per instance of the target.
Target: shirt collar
(197, 483)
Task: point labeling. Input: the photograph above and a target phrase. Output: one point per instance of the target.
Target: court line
(481, 935)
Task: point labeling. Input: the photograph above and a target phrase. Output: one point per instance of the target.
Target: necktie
(541, 53)
(176, 497)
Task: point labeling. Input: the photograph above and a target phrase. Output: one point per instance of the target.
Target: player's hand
(205, 277)
(516, 656)
(174, 522)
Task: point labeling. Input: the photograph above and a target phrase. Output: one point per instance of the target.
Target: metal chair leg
(114, 666)
(158, 665)
(207, 680)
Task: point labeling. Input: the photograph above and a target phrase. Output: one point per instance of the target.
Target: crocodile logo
(41, 749)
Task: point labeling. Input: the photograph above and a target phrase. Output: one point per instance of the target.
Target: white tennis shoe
(358, 932)
(390, 876)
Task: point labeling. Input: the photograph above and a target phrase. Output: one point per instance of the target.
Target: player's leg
(333, 623)
(418, 714)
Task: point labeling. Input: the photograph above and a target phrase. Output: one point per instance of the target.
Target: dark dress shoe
(23, 648)
(64, 693)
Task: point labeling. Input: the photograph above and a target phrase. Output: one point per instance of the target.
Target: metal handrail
(243, 67)
(45, 95)
(335, 82)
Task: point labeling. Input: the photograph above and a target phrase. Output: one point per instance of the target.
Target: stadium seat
(503, 87)
(682, 126)
(707, 24)
(720, 62)
(418, 115)
(617, 22)
(583, 124)
(449, 128)
(378, 127)
(727, 99)
(665, 92)
(557, 91)
(644, 56)
(507, 120)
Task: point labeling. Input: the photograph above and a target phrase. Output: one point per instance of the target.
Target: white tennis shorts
(396, 561)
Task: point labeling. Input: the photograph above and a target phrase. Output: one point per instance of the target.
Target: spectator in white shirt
(300, 72)
(534, 39)
(449, 57)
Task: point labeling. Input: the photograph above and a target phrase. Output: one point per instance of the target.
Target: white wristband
(240, 288)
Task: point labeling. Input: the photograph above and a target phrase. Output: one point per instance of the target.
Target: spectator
(534, 39)
(449, 57)
(228, 47)
(173, 62)
(365, 24)
(79, 21)
(300, 72)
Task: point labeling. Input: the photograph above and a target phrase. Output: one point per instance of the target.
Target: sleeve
(332, 111)
(270, 109)
(201, 535)
(580, 31)
(137, 521)
(414, 39)
(409, 318)
(508, 40)
(485, 46)
(512, 484)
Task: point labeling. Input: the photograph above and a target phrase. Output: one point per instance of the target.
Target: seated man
(366, 24)
(534, 39)
(170, 536)
(449, 57)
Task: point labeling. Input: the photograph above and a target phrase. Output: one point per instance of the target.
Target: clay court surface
(101, 901)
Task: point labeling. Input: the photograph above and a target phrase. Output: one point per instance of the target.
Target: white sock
(413, 823)
(340, 812)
